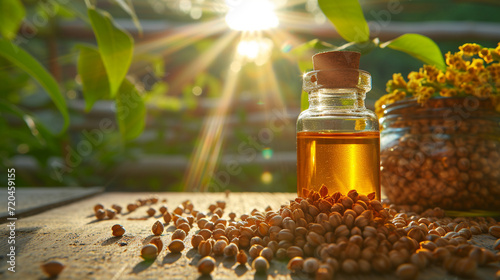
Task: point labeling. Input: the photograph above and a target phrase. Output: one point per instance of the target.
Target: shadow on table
(170, 258)
(260, 276)
(228, 262)
(191, 253)
(102, 220)
(111, 240)
(148, 239)
(140, 267)
(170, 228)
(240, 270)
(205, 277)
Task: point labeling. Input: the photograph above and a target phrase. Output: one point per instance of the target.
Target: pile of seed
(437, 162)
(325, 234)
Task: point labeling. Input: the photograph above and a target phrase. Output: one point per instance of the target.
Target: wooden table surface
(72, 235)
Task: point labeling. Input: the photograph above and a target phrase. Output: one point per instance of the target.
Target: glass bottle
(445, 153)
(338, 139)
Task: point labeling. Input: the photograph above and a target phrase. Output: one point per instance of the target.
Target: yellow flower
(422, 98)
(488, 58)
(448, 92)
(445, 92)
(486, 55)
(441, 78)
(415, 75)
(472, 71)
(461, 79)
(426, 91)
(431, 72)
(467, 88)
(450, 75)
(484, 52)
(477, 64)
(413, 85)
(453, 59)
(483, 91)
(465, 74)
(483, 77)
(470, 49)
(460, 65)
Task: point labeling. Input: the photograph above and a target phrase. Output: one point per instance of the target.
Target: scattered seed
(131, 207)
(157, 242)
(296, 264)
(241, 257)
(196, 239)
(231, 250)
(53, 268)
(157, 228)
(149, 252)
(179, 234)
(205, 248)
(407, 271)
(100, 214)
(495, 231)
(117, 208)
(117, 230)
(260, 264)
(206, 265)
(310, 265)
(497, 245)
(151, 212)
(110, 213)
(219, 247)
(98, 206)
(176, 246)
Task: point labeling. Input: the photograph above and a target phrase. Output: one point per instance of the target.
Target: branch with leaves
(102, 69)
(349, 21)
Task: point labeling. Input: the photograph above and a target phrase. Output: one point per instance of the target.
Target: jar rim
(311, 82)
(437, 102)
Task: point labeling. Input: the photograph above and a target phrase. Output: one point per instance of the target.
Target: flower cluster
(474, 70)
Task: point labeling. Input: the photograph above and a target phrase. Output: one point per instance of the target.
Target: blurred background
(221, 82)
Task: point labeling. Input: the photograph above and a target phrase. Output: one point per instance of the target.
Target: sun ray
(206, 154)
(203, 61)
(173, 40)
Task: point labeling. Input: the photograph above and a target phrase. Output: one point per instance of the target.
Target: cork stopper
(340, 68)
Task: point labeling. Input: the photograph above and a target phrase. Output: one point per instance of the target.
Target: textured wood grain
(71, 235)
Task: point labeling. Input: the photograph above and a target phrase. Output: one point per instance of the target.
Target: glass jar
(338, 140)
(443, 154)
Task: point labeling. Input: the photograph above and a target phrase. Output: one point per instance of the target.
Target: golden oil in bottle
(341, 161)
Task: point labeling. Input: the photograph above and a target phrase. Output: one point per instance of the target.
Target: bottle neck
(337, 99)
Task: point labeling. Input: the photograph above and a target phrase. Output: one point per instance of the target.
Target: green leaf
(418, 46)
(363, 47)
(115, 45)
(37, 129)
(130, 111)
(12, 13)
(128, 7)
(26, 62)
(347, 17)
(93, 75)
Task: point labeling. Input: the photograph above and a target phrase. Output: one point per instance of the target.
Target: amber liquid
(341, 161)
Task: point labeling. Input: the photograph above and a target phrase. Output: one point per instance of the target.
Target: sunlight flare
(251, 15)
